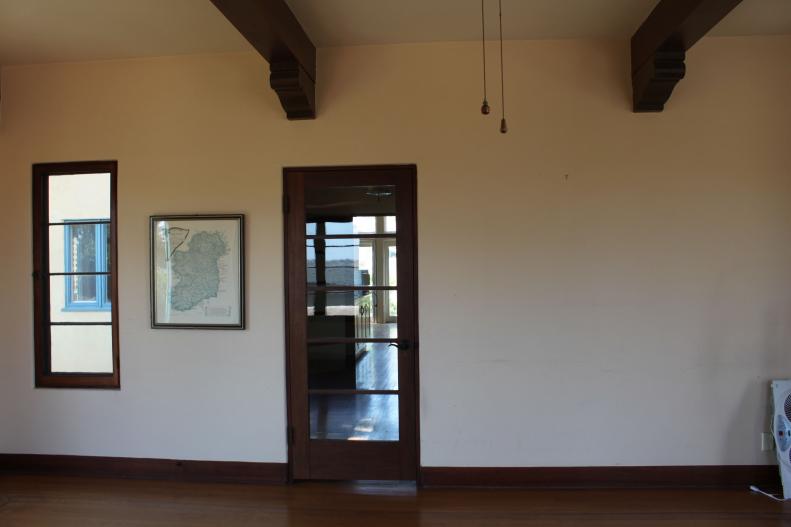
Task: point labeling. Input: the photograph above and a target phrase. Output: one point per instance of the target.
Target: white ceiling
(36, 31)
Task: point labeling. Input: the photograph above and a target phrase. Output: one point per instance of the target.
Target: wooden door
(351, 308)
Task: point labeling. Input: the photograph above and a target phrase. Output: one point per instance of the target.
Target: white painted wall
(628, 314)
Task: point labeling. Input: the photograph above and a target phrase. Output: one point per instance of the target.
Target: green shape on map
(198, 270)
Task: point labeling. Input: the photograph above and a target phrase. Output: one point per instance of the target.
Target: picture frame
(197, 271)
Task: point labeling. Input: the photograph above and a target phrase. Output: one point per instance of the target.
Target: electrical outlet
(767, 442)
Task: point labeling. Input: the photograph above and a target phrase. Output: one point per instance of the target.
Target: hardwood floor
(32, 501)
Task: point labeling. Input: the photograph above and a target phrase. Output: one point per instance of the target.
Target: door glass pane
(355, 225)
(350, 314)
(79, 197)
(346, 261)
(392, 265)
(81, 349)
(359, 260)
(340, 205)
(355, 417)
(392, 305)
(392, 278)
(377, 367)
(353, 366)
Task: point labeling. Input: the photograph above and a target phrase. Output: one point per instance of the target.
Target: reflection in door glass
(355, 417)
(392, 274)
(352, 366)
(352, 314)
(350, 270)
(348, 262)
(350, 210)
(357, 225)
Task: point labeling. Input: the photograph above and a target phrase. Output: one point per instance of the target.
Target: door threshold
(368, 487)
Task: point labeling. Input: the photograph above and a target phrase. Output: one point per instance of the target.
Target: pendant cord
(503, 125)
(502, 75)
(483, 47)
(485, 104)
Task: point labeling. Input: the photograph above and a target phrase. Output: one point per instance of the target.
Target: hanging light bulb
(503, 125)
(485, 106)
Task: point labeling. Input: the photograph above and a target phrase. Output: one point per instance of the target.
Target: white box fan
(781, 430)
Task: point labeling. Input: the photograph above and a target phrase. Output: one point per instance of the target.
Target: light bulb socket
(485, 107)
(503, 126)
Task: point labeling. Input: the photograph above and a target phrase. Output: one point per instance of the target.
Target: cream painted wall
(596, 287)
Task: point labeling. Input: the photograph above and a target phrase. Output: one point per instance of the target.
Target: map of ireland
(197, 269)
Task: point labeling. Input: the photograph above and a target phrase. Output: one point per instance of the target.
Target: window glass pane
(82, 289)
(104, 233)
(79, 248)
(75, 316)
(350, 314)
(107, 289)
(345, 261)
(355, 417)
(58, 243)
(390, 224)
(81, 349)
(82, 248)
(79, 197)
(63, 307)
(353, 366)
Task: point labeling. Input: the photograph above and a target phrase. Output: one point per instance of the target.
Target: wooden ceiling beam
(274, 31)
(660, 44)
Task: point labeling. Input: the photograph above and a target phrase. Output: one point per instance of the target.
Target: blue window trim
(102, 303)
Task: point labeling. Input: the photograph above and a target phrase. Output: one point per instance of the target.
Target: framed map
(197, 271)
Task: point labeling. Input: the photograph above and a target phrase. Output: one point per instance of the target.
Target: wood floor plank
(33, 501)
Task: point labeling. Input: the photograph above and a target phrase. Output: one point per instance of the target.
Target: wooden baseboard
(146, 468)
(719, 477)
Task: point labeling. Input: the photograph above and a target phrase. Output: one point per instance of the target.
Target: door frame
(291, 253)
